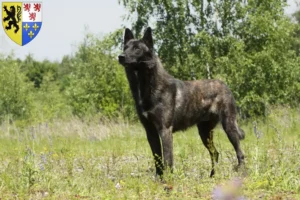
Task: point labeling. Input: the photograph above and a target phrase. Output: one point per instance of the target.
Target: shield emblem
(22, 21)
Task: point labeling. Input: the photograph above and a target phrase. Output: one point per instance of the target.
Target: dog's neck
(144, 80)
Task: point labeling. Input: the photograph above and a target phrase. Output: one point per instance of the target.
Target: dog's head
(136, 51)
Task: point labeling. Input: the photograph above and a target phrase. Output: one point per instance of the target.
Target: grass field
(97, 160)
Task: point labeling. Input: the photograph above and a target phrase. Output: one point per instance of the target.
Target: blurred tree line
(89, 83)
(251, 45)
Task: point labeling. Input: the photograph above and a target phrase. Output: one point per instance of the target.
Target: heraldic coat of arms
(22, 21)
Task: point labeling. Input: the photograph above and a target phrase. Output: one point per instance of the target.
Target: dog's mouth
(123, 61)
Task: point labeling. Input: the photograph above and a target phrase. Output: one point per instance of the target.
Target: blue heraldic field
(30, 31)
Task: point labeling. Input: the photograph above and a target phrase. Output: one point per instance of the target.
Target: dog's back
(202, 100)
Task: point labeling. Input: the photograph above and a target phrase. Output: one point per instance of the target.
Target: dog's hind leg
(234, 134)
(206, 134)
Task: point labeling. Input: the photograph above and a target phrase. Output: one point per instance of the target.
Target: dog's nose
(121, 58)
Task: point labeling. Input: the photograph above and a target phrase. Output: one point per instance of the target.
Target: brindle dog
(165, 104)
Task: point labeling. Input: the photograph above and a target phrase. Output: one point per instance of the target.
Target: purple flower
(230, 191)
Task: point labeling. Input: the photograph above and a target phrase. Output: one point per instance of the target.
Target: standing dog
(166, 105)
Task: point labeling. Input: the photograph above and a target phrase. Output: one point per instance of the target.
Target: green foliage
(49, 102)
(15, 98)
(87, 84)
(296, 45)
(249, 45)
(27, 98)
(35, 71)
(98, 84)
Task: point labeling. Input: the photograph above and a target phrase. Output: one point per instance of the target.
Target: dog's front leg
(164, 127)
(155, 145)
(167, 145)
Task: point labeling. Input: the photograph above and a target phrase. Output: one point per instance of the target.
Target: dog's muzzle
(121, 59)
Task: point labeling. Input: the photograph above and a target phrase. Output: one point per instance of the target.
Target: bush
(15, 96)
(98, 83)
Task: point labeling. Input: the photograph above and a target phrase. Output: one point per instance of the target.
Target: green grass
(77, 160)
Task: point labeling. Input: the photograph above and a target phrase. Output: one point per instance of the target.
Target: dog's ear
(148, 38)
(128, 36)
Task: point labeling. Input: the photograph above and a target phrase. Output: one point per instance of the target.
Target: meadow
(56, 141)
(98, 159)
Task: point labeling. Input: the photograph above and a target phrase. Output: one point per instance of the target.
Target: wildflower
(230, 191)
(118, 186)
(257, 132)
(43, 162)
